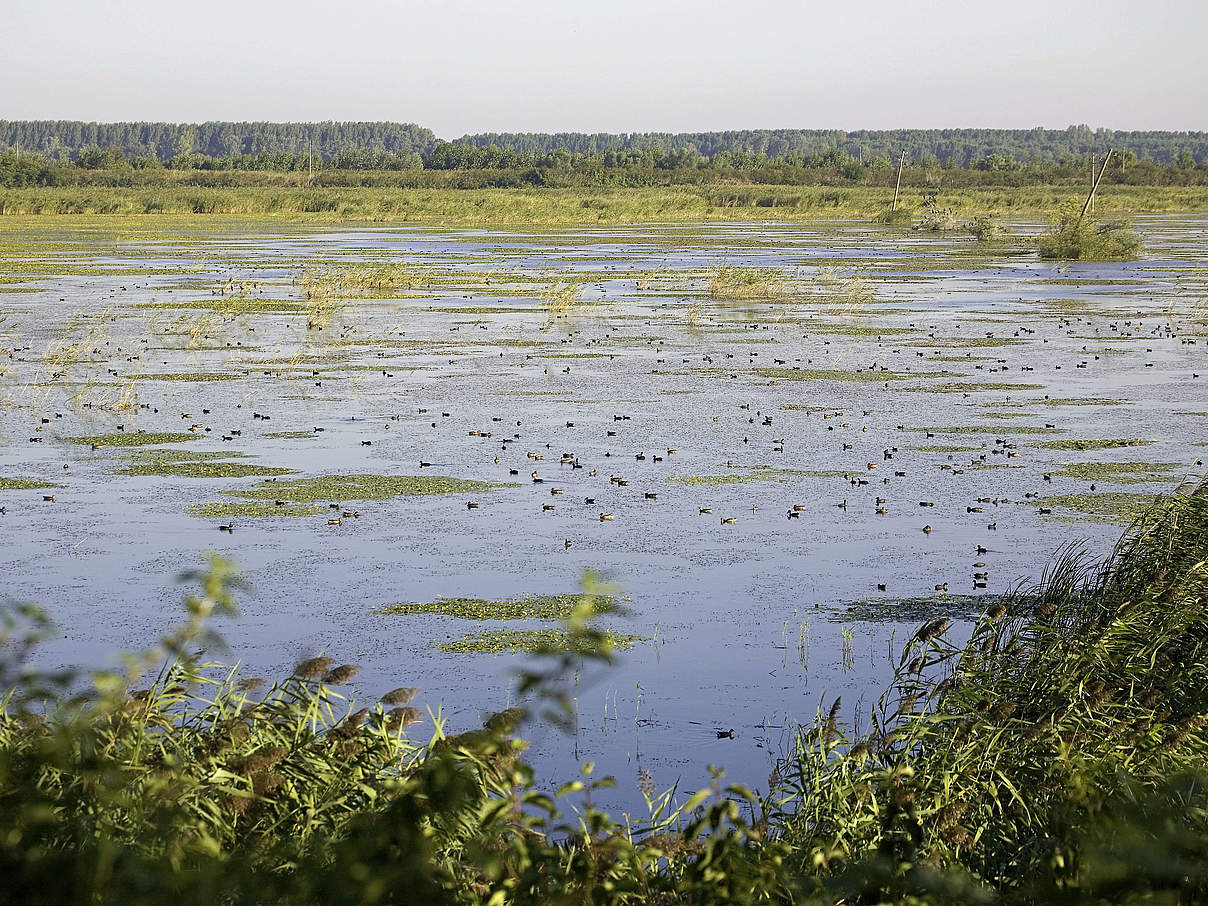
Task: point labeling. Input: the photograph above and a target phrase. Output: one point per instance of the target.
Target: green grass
(171, 203)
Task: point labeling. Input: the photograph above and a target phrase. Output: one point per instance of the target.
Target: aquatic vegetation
(537, 607)
(945, 448)
(255, 509)
(361, 487)
(1120, 472)
(756, 473)
(499, 641)
(1116, 506)
(133, 438)
(196, 377)
(738, 283)
(855, 376)
(206, 469)
(25, 484)
(984, 228)
(915, 609)
(973, 387)
(987, 429)
(1092, 444)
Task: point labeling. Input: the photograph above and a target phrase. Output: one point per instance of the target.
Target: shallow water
(746, 620)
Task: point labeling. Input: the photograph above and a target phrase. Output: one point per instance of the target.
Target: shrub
(1077, 238)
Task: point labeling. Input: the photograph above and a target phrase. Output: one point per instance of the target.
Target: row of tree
(380, 145)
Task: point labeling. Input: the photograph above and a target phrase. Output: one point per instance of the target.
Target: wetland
(780, 445)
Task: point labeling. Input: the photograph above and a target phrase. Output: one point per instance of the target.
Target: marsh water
(763, 446)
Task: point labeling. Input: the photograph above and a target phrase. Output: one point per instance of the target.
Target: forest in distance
(408, 146)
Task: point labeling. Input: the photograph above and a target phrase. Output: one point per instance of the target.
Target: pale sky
(461, 66)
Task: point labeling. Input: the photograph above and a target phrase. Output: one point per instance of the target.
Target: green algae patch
(25, 484)
(502, 641)
(252, 510)
(289, 435)
(1095, 444)
(133, 439)
(362, 487)
(1120, 472)
(1110, 506)
(537, 607)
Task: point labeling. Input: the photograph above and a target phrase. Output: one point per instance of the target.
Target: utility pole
(1090, 199)
(898, 185)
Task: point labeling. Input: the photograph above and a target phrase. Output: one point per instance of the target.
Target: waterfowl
(333, 521)
(704, 510)
(729, 520)
(926, 530)
(605, 517)
(471, 505)
(229, 527)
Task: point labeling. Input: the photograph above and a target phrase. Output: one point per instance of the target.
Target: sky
(463, 66)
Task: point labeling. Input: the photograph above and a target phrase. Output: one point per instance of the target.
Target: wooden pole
(898, 185)
(1090, 199)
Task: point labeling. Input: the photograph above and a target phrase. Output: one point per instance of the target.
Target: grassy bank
(1058, 756)
(566, 206)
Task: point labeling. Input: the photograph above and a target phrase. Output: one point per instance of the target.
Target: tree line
(398, 146)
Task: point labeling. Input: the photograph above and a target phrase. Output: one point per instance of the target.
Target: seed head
(341, 675)
(312, 667)
(400, 696)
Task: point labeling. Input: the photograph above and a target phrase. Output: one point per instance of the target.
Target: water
(745, 620)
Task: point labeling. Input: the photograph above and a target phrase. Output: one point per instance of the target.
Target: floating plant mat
(757, 474)
(499, 641)
(890, 609)
(25, 484)
(1111, 506)
(1121, 472)
(537, 607)
(1084, 445)
(132, 439)
(361, 487)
